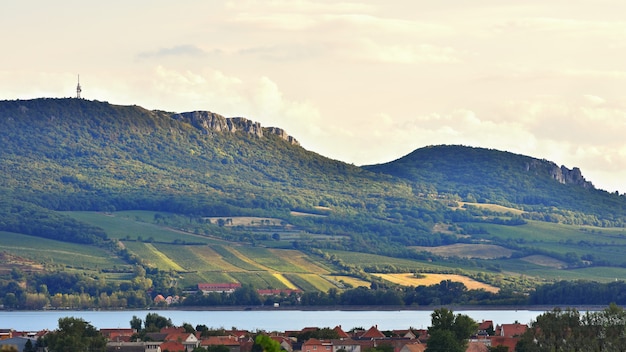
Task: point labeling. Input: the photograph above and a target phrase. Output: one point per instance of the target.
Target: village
(180, 339)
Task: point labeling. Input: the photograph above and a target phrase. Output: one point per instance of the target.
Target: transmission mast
(78, 90)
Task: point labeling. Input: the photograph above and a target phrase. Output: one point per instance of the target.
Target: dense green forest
(61, 158)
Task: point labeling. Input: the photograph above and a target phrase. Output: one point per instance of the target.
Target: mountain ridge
(71, 166)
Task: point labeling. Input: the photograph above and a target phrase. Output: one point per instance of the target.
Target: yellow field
(163, 258)
(285, 282)
(408, 279)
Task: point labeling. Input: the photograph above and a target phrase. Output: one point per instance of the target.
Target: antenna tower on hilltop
(78, 90)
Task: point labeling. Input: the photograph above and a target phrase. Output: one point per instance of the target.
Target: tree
(135, 323)
(75, 334)
(267, 344)
(155, 322)
(449, 332)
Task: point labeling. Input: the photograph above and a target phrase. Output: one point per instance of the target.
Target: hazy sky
(363, 82)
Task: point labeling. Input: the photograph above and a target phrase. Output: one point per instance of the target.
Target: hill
(493, 176)
(165, 200)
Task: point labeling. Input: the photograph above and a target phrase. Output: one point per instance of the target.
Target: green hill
(166, 200)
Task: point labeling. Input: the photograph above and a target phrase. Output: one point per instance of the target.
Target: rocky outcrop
(561, 174)
(208, 122)
(282, 134)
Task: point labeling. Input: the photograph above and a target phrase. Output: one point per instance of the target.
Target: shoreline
(381, 308)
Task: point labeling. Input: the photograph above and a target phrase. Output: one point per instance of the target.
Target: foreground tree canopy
(568, 330)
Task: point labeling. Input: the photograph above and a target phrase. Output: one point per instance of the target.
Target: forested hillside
(164, 200)
(493, 176)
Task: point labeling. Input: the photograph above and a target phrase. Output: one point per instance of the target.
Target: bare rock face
(561, 174)
(282, 134)
(208, 121)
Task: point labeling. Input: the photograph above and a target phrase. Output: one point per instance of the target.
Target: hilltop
(186, 197)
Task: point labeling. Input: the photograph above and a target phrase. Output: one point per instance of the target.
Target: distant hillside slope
(73, 154)
(487, 175)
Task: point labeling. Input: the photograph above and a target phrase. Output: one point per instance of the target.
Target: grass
(42, 250)
(465, 250)
(494, 207)
(300, 282)
(134, 225)
(259, 279)
(272, 259)
(409, 279)
(235, 258)
(285, 281)
(318, 282)
(352, 281)
(210, 260)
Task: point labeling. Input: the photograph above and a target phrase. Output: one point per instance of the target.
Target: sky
(363, 82)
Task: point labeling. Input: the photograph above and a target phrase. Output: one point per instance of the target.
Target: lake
(252, 320)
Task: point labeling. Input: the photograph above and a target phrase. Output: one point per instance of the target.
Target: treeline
(62, 290)
(26, 218)
(568, 330)
(579, 293)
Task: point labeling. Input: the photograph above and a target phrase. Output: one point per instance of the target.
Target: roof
(485, 324)
(342, 334)
(172, 346)
(373, 333)
(509, 342)
(413, 347)
(512, 330)
(220, 340)
(477, 347)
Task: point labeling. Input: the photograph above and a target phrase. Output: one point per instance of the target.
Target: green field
(68, 255)
(135, 225)
(271, 259)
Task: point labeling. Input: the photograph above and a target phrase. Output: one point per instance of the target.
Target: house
(231, 342)
(315, 345)
(348, 345)
(415, 346)
(218, 287)
(342, 334)
(372, 333)
(285, 343)
(123, 346)
(19, 342)
(173, 346)
(511, 330)
(485, 328)
(407, 334)
(188, 340)
(6, 334)
(476, 347)
(509, 342)
(119, 334)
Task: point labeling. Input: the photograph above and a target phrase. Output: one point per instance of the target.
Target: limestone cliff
(561, 174)
(208, 121)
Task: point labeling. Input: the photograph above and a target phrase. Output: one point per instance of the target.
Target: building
(218, 287)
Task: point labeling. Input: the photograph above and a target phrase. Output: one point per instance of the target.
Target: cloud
(259, 99)
(180, 50)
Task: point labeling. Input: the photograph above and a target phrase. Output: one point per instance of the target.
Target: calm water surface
(270, 320)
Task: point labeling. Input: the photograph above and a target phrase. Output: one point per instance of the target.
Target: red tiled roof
(512, 330)
(220, 340)
(509, 342)
(172, 346)
(373, 333)
(342, 334)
